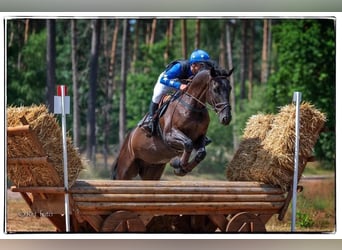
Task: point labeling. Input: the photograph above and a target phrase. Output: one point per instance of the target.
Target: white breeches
(160, 90)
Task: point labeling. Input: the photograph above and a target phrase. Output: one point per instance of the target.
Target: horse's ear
(230, 72)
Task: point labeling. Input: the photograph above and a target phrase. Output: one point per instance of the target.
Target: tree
(243, 60)
(50, 62)
(75, 85)
(124, 58)
(110, 88)
(265, 49)
(250, 59)
(169, 33)
(153, 31)
(91, 120)
(232, 83)
(305, 62)
(198, 34)
(184, 39)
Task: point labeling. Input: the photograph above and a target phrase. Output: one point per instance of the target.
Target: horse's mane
(219, 71)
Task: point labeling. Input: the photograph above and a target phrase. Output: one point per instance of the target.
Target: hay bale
(255, 132)
(258, 126)
(49, 134)
(266, 152)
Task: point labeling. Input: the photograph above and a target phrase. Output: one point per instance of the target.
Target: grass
(315, 210)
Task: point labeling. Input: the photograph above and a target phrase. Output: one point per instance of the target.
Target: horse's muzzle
(225, 119)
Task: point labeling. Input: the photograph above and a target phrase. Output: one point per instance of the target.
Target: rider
(170, 79)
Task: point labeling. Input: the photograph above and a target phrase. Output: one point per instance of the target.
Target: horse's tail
(114, 168)
(116, 162)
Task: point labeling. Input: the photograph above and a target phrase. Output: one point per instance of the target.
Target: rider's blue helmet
(198, 55)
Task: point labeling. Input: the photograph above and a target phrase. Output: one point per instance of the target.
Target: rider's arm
(171, 77)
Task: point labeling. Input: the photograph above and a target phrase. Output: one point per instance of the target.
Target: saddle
(163, 105)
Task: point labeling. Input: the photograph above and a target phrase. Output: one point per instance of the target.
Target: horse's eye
(216, 89)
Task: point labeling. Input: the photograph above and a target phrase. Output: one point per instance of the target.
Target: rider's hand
(183, 87)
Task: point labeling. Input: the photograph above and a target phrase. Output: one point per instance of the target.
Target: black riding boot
(148, 125)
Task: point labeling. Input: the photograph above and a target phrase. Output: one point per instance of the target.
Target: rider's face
(195, 67)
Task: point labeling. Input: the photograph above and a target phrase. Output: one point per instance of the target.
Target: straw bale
(255, 132)
(266, 152)
(46, 128)
(257, 126)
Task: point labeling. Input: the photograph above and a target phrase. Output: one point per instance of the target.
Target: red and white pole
(62, 106)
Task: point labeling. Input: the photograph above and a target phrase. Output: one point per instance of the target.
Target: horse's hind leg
(152, 172)
(125, 169)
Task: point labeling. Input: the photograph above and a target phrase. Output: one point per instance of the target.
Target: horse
(182, 129)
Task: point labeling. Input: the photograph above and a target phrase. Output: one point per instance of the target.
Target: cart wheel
(245, 222)
(123, 221)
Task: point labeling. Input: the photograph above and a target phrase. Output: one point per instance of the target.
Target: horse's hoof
(175, 163)
(179, 172)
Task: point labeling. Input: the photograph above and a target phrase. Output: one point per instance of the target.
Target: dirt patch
(20, 218)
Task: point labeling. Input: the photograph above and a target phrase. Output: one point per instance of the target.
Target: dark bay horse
(182, 130)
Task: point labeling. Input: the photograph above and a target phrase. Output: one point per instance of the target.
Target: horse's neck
(198, 89)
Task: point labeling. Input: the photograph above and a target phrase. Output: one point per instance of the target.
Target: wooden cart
(149, 206)
(167, 206)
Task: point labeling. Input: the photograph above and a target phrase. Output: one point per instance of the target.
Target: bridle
(219, 107)
(216, 107)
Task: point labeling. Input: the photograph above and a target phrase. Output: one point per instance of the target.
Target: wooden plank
(46, 190)
(165, 183)
(219, 220)
(52, 204)
(18, 130)
(286, 205)
(27, 198)
(184, 212)
(180, 207)
(175, 190)
(95, 221)
(264, 217)
(177, 197)
(58, 221)
(28, 160)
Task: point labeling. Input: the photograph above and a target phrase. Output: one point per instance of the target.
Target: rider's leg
(151, 111)
(148, 123)
(158, 91)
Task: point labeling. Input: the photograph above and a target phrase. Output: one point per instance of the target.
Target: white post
(65, 162)
(297, 97)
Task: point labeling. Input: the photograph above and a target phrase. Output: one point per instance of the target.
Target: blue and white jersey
(172, 76)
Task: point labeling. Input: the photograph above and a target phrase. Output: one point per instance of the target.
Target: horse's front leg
(200, 155)
(179, 141)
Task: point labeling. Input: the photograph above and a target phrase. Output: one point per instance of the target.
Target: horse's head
(211, 84)
(219, 92)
